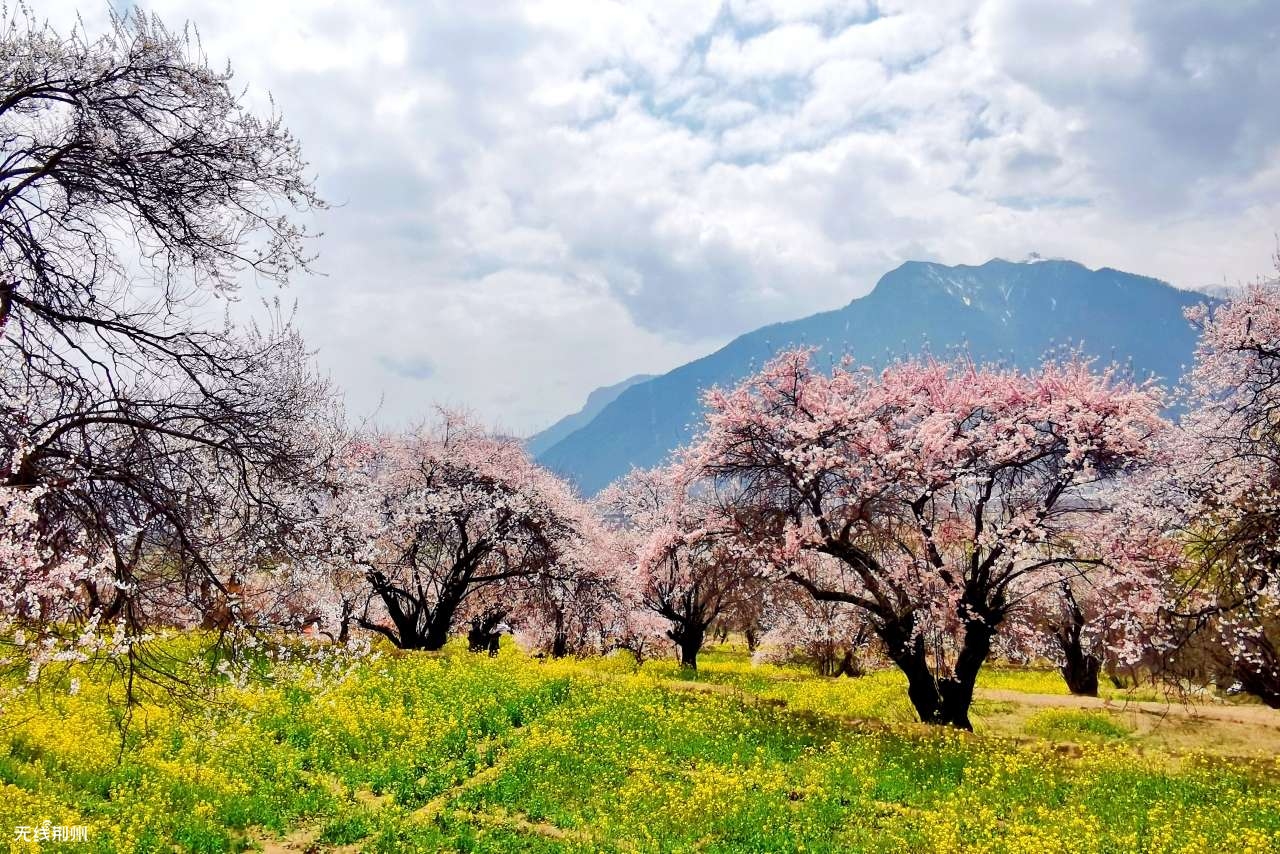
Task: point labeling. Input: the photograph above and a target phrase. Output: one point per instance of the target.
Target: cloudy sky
(534, 199)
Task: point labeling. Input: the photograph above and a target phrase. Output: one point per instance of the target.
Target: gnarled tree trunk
(415, 624)
(484, 636)
(1079, 668)
(1080, 671)
(849, 665)
(560, 640)
(1260, 676)
(944, 701)
(689, 638)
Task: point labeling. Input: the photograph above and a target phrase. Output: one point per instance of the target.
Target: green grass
(467, 753)
(1069, 724)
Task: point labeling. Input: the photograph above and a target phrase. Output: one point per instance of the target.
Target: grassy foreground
(460, 752)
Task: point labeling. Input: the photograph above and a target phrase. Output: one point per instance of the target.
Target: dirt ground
(1231, 730)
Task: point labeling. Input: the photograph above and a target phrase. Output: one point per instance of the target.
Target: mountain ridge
(596, 401)
(1004, 311)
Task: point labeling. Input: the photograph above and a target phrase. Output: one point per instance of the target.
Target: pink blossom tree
(684, 572)
(573, 613)
(835, 637)
(600, 608)
(1225, 488)
(626, 622)
(137, 528)
(42, 585)
(438, 517)
(947, 494)
(1115, 617)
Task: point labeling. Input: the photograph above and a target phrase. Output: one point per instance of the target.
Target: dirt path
(1246, 732)
(1253, 715)
(1225, 730)
(1259, 716)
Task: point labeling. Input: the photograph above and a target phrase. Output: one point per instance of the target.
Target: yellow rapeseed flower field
(455, 752)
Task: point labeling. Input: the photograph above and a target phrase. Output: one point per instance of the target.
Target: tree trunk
(689, 649)
(407, 616)
(483, 635)
(688, 638)
(1079, 668)
(1080, 671)
(945, 701)
(437, 634)
(849, 665)
(1261, 676)
(6, 304)
(344, 625)
(477, 637)
(909, 655)
(560, 644)
(1260, 685)
(957, 691)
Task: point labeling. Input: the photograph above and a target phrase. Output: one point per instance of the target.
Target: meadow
(459, 752)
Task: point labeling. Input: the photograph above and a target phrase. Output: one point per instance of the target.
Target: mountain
(596, 401)
(1011, 312)
(1222, 292)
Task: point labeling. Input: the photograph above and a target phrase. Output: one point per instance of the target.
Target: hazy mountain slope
(596, 401)
(1012, 312)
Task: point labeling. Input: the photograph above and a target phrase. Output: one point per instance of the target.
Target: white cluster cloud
(534, 199)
